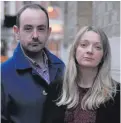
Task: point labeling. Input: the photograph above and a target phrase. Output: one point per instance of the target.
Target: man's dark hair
(31, 6)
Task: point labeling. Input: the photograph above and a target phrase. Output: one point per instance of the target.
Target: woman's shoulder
(118, 84)
(111, 109)
(115, 100)
(117, 96)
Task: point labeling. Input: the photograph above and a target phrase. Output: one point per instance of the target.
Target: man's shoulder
(58, 60)
(7, 65)
(53, 58)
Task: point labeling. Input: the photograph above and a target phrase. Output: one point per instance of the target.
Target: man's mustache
(35, 40)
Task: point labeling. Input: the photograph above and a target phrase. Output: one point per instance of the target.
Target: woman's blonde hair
(103, 87)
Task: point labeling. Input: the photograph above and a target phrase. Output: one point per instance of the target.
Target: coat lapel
(53, 64)
(52, 71)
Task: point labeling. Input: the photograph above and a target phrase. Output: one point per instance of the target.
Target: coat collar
(52, 58)
(22, 63)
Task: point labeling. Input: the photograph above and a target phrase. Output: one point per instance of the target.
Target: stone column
(106, 14)
(70, 27)
(11, 10)
(76, 15)
(2, 12)
(84, 13)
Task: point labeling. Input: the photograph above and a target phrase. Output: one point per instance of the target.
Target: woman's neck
(87, 77)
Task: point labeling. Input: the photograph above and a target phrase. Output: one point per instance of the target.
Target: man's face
(33, 31)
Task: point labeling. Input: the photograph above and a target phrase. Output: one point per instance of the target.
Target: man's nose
(35, 34)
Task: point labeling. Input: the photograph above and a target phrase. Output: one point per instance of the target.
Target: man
(30, 72)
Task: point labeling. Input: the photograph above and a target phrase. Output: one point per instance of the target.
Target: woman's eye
(98, 47)
(83, 44)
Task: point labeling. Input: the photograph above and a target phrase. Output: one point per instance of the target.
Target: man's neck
(37, 57)
(34, 56)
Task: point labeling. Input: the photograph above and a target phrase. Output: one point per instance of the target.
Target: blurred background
(66, 17)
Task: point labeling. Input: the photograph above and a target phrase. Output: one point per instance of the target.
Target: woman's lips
(87, 58)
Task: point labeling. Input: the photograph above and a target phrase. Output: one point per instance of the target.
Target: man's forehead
(31, 14)
(30, 11)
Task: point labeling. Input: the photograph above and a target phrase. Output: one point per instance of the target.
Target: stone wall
(106, 14)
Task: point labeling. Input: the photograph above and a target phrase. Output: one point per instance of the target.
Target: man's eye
(28, 28)
(41, 29)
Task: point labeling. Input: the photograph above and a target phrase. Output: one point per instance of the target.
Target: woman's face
(89, 51)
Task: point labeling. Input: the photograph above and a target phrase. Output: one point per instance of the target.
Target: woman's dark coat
(107, 113)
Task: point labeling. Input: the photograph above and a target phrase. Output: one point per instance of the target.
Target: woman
(88, 93)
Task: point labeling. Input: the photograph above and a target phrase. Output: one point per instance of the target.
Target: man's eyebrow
(42, 26)
(39, 26)
(27, 25)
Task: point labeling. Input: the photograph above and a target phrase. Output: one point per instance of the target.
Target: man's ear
(49, 31)
(15, 29)
(16, 32)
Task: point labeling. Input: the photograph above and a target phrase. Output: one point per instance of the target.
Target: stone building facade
(105, 14)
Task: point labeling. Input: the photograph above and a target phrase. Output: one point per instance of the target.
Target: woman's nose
(90, 49)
